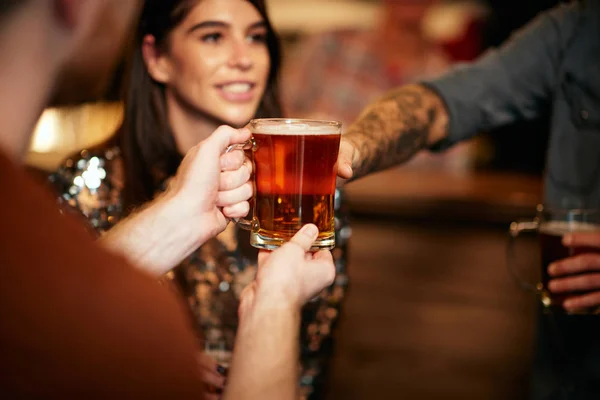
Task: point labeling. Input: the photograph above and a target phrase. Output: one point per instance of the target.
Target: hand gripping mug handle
(249, 144)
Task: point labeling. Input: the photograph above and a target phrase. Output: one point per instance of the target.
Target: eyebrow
(221, 24)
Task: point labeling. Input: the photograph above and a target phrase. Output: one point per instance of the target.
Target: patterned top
(213, 277)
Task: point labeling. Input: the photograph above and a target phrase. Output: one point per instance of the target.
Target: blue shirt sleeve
(512, 83)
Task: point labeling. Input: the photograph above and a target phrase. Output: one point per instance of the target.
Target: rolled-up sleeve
(512, 83)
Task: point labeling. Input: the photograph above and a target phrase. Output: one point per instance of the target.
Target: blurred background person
(549, 63)
(195, 65)
(85, 318)
(335, 74)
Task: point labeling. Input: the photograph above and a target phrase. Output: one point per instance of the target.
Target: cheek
(263, 66)
(191, 74)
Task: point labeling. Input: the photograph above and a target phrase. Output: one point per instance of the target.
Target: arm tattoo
(396, 127)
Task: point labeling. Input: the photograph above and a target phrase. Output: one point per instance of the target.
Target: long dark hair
(149, 150)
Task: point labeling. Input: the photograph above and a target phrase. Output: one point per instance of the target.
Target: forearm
(156, 238)
(396, 127)
(266, 353)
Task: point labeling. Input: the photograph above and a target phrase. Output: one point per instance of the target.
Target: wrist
(176, 218)
(269, 307)
(157, 237)
(277, 298)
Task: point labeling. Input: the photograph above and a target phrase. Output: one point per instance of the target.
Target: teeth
(237, 87)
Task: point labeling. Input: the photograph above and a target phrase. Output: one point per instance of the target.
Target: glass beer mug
(295, 169)
(551, 225)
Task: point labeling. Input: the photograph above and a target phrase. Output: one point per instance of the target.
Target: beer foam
(560, 228)
(296, 129)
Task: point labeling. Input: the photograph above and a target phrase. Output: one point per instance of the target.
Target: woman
(196, 64)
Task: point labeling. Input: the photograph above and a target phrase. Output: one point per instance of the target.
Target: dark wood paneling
(432, 313)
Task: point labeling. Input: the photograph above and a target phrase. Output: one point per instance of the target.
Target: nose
(240, 55)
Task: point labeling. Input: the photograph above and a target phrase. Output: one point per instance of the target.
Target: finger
(231, 197)
(345, 159)
(211, 376)
(318, 275)
(242, 135)
(572, 265)
(212, 392)
(238, 210)
(213, 379)
(582, 239)
(575, 283)
(233, 160)
(210, 370)
(323, 255)
(233, 179)
(223, 371)
(305, 237)
(224, 136)
(207, 362)
(588, 300)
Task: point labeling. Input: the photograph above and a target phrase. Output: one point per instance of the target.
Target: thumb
(305, 237)
(225, 136)
(345, 160)
(582, 239)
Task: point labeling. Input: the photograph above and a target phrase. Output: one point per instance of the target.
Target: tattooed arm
(515, 82)
(392, 130)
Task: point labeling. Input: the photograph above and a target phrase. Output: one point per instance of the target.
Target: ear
(157, 63)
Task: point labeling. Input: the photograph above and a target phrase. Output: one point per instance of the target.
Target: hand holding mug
(569, 243)
(578, 277)
(291, 275)
(213, 185)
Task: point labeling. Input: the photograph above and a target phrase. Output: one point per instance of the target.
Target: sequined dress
(212, 278)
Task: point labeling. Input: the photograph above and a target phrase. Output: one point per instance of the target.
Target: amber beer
(551, 224)
(551, 234)
(295, 164)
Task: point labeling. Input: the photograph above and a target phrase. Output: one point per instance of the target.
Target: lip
(236, 97)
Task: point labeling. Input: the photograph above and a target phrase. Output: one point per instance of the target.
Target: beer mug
(551, 225)
(295, 169)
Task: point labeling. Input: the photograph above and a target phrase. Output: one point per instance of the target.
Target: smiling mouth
(237, 87)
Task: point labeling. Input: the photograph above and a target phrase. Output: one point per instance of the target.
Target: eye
(260, 37)
(212, 37)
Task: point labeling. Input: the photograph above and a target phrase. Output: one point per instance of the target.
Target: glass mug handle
(249, 144)
(516, 228)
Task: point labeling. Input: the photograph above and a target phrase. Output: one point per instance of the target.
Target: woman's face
(217, 62)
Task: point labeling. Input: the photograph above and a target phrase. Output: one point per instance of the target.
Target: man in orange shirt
(101, 328)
